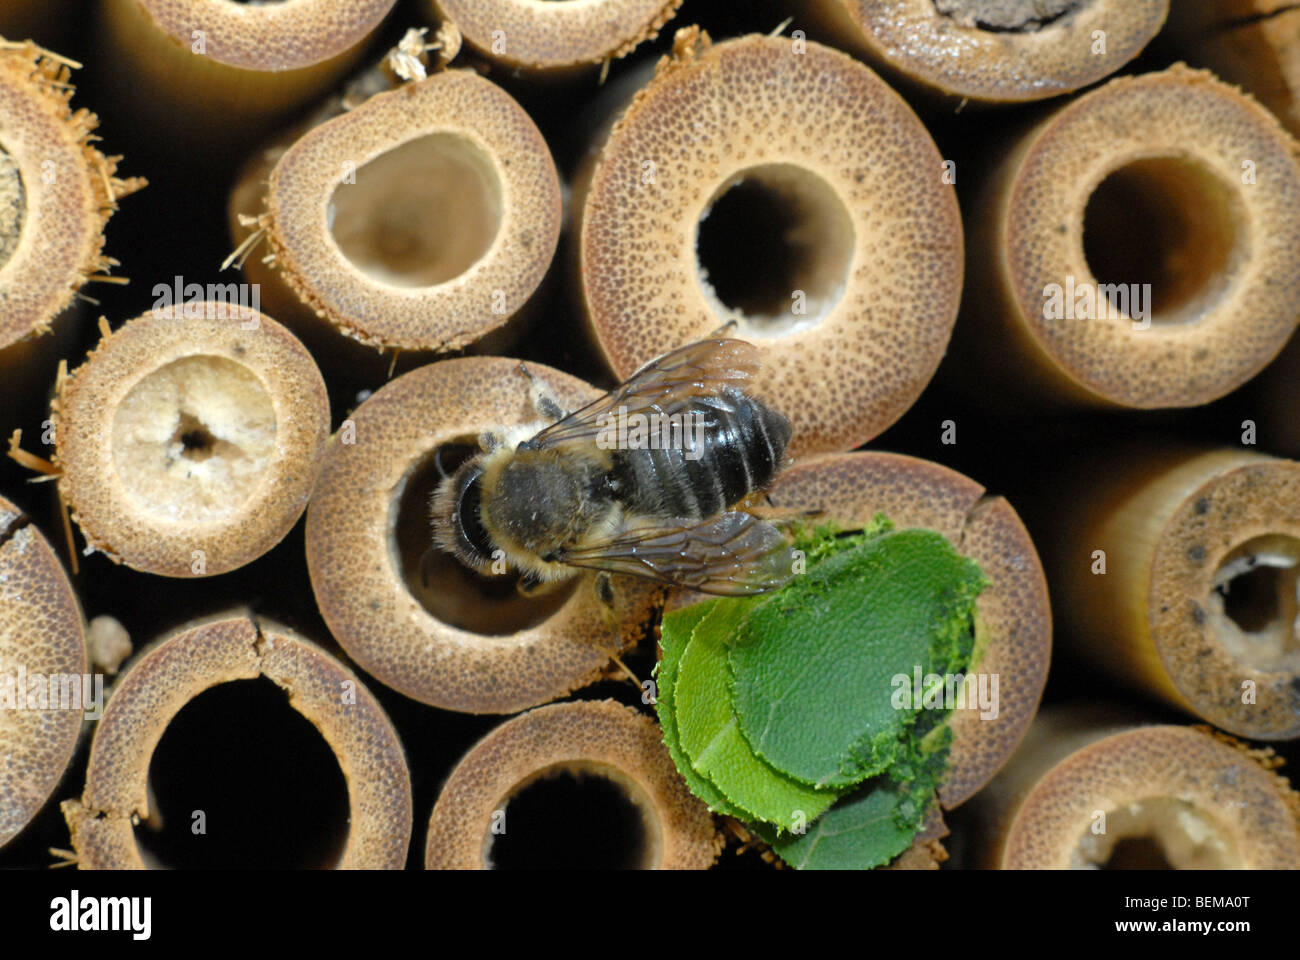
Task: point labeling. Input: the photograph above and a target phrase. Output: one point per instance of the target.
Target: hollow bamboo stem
(441, 633)
(1175, 571)
(1083, 792)
(851, 309)
(552, 38)
(226, 648)
(1135, 248)
(992, 51)
(42, 667)
(420, 221)
(180, 63)
(189, 440)
(598, 738)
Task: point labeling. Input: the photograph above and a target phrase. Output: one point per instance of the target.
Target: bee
(593, 491)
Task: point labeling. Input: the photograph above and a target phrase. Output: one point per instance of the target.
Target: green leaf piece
(813, 664)
(674, 634)
(712, 740)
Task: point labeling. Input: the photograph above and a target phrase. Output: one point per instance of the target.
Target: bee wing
(734, 554)
(664, 386)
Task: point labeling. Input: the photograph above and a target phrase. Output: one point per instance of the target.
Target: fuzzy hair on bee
(576, 494)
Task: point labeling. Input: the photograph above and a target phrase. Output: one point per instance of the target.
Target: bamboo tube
(231, 647)
(177, 64)
(459, 641)
(421, 220)
(992, 51)
(189, 440)
(57, 192)
(42, 643)
(1177, 191)
(842, 264)
(1082, 793)
(1197, 604)
(593, 738)
(1278, 421)
(1254, 43)
(552, 37)
(1013, 619)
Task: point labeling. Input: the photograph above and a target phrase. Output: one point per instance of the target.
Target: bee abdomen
(733, 446)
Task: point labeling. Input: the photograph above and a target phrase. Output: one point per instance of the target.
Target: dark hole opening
(570, 821)
(454, 593)
(270, 790)
(1137, 853)
(744, 246)
(196, 441)
(1250, 599)
(1165, 222)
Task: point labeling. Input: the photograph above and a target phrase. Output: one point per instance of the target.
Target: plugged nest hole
(1167, 222)
(773, 248)
(1158, 833)
(1255, 603)
(255, 775)
(1007, 16)
(192, 439)
(584, 816)
(453, 593)
(420, 214)
(13, 205)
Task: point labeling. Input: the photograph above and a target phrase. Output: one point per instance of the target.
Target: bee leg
(604, 589)
(722, 331)
(530, 585)
(489, 440)
(543, 402)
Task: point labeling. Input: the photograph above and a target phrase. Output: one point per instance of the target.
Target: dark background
(271, 789)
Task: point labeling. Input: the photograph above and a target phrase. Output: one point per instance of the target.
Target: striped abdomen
(723, 449)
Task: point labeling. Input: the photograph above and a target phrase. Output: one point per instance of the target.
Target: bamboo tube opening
(192, 439)
(1254, 608)
(189, 440)
(859, 255)
(993, 51)
(769, 230)
(188, 686)
(43, 662)
(1159, 833)
(453, 641)
(618, 829)
(243, 730)
(420, 214)
(421, 220)
(1169, 222)
(1130, 251)
(515, 797)
(455, 594)
(556, 36)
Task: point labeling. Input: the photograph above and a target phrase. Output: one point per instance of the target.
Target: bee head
(457, 521)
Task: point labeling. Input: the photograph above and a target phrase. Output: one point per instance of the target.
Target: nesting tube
(1013, 624)
(222, 649)
(1136, 248)
(42, 669)
(438, 631)
(555, 38)
(179, 64)
(782, 185)
(1177, 572)
(1254, 43)
(592, 738)
(189, 439)
(1083, 793)
(421, 220)
(992, 51)
(57, 192)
